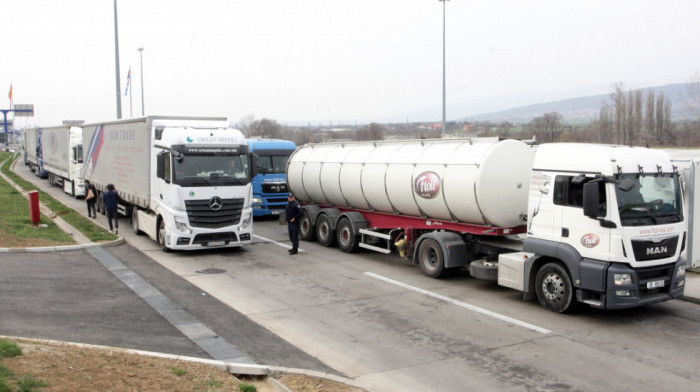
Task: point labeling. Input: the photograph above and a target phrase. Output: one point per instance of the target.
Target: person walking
(293, 214)
(110, 200)
(90, 198)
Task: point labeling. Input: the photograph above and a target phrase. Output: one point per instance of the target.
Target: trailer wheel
(161, 237)
(554, 288)
(347, 238)
(101, 204)
(306, 228)
(324, 231)
(431, 259)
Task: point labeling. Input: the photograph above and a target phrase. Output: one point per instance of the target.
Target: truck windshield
(272, 164)
(207, 170)
(654, 199)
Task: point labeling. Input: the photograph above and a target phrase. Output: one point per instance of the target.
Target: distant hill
(584, 109)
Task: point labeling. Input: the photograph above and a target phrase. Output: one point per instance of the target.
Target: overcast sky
(335, 61)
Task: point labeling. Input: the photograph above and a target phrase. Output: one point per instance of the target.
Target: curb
(64, 248)
(236, 369)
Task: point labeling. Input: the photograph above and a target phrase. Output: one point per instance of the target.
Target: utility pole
(116, 62)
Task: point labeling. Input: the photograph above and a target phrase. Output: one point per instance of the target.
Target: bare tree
(649, 113)
(245, 124)
(693, 94)
(547, 127)
(619, 99)
(265, 128)
(605, 125)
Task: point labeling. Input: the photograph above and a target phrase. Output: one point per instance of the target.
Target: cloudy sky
(335, 61)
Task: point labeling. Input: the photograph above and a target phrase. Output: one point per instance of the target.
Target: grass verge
(92, 231)
(8, 379)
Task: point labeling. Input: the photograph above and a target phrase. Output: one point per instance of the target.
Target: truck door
(584, 234)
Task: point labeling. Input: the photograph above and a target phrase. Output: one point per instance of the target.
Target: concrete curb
(64, 248)
(236, 369)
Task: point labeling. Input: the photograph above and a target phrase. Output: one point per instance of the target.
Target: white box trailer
(32, 150)
(62, 149)
(184, 181)
(688, 162)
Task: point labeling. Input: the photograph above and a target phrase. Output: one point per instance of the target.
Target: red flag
(10, 94)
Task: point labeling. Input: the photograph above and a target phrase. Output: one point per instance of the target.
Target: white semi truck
(62, 153)
(184, 181)
(32, 151)
(601, 225)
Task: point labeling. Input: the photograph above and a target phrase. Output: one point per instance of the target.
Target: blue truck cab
(270, 184)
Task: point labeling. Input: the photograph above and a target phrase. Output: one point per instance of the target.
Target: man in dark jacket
(111, 200)
(293, 214)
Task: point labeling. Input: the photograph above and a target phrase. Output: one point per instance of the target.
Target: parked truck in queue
(270, 184)
(31, 142)
(565, 223)
(184, 181)
(62, 153)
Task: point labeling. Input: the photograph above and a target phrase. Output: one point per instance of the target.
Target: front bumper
(648, 285)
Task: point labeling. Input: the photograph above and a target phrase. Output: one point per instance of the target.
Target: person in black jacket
(111, 200)
(90, 198)
(293, 214)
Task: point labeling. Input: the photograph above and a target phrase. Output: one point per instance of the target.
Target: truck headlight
(680, 271)
(245, 223)
(180, 225)
(621, 279)
(257, 200)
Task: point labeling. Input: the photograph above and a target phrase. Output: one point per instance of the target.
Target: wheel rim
(304, 226)
(345, 236)
(553, 287)
(161, 235)
(430, 258)
(323, 230)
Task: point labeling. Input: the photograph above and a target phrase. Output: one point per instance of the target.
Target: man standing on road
(90, 198)
(293, 214)
(111, 200)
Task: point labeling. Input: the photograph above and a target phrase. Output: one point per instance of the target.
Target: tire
(101, 204)
(348, 240)
(161, 237)
(482, 269)
(431, 258)
(135, 222)
(307, 230)
(554, 288)
(324, 231)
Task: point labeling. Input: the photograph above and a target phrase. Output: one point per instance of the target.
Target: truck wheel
(482, 269)
(347, 238)
(306, 228)
(324, 231)
(554, 288)
(161, 237)
(101, 204)
(431, 259)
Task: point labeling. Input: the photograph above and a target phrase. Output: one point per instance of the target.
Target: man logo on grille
(215, 203)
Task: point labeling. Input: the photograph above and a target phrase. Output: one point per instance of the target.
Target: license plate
(274, 212)
(655, 284)
(217, 243)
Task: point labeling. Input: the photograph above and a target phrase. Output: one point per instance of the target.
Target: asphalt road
(377, 319)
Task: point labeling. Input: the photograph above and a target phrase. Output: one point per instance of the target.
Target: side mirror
(591, 199)
(253, 165)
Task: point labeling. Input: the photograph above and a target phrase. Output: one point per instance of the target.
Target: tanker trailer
(552, 221)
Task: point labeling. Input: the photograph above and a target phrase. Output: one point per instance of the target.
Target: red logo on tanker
(590, 240)
(427, 185)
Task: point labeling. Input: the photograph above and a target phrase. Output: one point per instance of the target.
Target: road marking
(462, 304)
(275, 242)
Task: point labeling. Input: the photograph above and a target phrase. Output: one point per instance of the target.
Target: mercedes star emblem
(215, 203)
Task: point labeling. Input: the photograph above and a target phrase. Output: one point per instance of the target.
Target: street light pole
(116, 62)
(443, 68)
(143, 111)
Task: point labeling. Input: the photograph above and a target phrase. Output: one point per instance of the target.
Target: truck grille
(271, 187)
(648, 250)
(202, 214)
(650, 274)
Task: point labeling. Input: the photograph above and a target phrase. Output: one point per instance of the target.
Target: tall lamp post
(443, 68)
(116, 62)
(143, 110)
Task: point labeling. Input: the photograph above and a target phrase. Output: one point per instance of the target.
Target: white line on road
(274, 242)
(462, 304)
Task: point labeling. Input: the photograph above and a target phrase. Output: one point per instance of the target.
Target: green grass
(26, 383)
(92, 231)
(9, 349)
(179, 372)
(245, 387)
